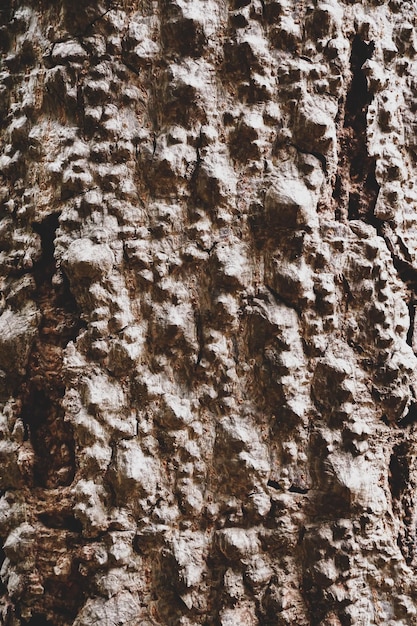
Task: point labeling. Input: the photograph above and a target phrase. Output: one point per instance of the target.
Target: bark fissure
(44, 388)
(356, 186)
(400, 477)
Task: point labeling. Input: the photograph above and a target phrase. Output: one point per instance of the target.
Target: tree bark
(208, 247)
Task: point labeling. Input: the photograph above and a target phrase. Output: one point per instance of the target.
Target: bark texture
(208, 264)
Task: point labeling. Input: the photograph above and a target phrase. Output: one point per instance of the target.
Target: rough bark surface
(208, 264)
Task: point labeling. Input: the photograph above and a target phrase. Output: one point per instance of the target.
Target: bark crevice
(355, 184)
(43, 388)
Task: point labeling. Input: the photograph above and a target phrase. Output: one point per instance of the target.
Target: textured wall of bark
(208, 245)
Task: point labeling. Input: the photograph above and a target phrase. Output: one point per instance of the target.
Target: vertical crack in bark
(402, 488)
(356, 186)
(408, 275)
(43, 389)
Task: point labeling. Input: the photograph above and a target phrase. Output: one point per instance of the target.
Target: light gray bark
(208, 245)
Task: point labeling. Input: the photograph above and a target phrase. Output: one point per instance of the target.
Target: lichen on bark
(208, 234)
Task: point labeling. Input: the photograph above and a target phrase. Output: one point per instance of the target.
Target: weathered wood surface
(208, 264)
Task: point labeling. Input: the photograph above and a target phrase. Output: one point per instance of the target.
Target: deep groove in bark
(356, 186)
(411, 304)
(402, 495)
(43, 389)
(398, 468)
(411, 416)
(408, 275)
(56, 520)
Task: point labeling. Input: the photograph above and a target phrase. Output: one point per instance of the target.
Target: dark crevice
(398, 470)
(411, 304)
(363, 185)
(68, 597)
(385, 420)
(57, 521)
(298, 489)
(356, 187)
(358, 97)
(43, 388)
(411, 417)
(279, 298)
(313, 596)
(402, 492)
(406, 272)
(37, 620)
(274, 484)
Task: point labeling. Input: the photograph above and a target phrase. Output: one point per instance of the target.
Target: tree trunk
(209, 275)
